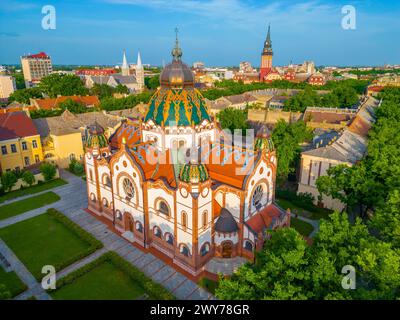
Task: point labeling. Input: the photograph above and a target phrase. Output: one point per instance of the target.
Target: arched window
(157, 232)
(185, 250)
(184, 220)
(205, 249)
(107, 180)
(163, 208)
(128, 188)
(248, 245)
(169, 238)
(105, 202)
(204, 219)
(91, 174)
(118, 215)
(257, 196)
(93, 197)
(139, 226)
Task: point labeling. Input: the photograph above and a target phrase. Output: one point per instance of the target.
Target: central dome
(177, 102)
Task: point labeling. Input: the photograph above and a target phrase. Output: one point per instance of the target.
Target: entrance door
(227, 249)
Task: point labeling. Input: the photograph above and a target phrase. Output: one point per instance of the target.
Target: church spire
(177, 51)
(124, 61)
(139, 60)
(268, 42)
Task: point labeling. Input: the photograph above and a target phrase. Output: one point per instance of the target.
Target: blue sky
(218, 32)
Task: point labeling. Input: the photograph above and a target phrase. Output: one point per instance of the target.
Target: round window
(128, 188)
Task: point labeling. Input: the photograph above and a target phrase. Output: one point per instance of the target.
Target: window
(105, 203)
(184, 220)
(17, 169)
(139, 227)
(169, 238)
(157, 232)
(107, 180)
(163, 208)
(91, 174)
(257, 196)
(4, 149)
(118, 215)
(185, 250)
(26, 160)
(34, 144)
(24, 146)
(37, 158)
(13, 148)
(128, 188)
(205, 219)
(72, 157)
(248, 245)
(204, 249)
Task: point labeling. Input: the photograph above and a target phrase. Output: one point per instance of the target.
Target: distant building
(63, 137)
(95, 72)
(266, 57)
(7, 86)
(35, 67)
(53, 103)
(348, 148)
(317, 79)
(19, 142)
(245, 67)
(198, 65)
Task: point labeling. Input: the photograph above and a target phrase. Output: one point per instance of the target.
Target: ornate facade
(171, 182)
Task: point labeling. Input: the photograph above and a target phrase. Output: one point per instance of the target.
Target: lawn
(21, 206)
(104, 282)
(316, 213)
(109, 277)
(304, 228)
(12, 282)
(48, 239)
(32, 190)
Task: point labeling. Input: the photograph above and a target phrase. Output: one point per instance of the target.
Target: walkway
(314, 223)
(73, 200)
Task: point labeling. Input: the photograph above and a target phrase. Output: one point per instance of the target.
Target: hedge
(81, 233)
(299, 201)
(154, 290)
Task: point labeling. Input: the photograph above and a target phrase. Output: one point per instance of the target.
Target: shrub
(76, 167)
(8, 180)
(48, 171)
(4, 293)
(28, 177)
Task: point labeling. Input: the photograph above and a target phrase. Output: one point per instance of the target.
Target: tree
(286, 138)
(72, 106)
(62, 84)
(8, 180)
(153, 82)
(48, 171)
(24, 95)
(28, 177)
(120, 88)
(102, 90)
(233, 119)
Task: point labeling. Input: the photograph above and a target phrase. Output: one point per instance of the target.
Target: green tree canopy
(233, 119)
(62, 84)
(24, 95)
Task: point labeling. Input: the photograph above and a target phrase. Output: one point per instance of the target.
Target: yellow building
(63, 137)
(20, 144)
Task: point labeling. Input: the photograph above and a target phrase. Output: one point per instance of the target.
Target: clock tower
(266, 56)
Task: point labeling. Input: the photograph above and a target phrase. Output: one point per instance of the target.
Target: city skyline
(101, 29)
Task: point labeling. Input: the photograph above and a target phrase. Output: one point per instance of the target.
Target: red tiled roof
(262, 220)
(40, 55)
(52, 103)
(16, 125)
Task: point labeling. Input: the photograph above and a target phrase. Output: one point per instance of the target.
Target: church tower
(140, 73)
(125, 66)
(266, 56)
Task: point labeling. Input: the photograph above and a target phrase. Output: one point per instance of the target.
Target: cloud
(242, 14)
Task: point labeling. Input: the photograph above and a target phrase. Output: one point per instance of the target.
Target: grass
(304, 228)
(315, 214)
(208, 284)
(13, 283)
(32, 190)
(108, 277)
(45, 240)
(18, 207)
(104, 282)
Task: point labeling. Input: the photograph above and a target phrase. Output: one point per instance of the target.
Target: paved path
(34, 288)
(73, 200)
(314, 223)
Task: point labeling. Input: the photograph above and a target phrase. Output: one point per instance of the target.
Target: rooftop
(15, 125)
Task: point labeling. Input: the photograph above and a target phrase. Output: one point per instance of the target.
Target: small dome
(226, 223)
(264, 144)
(177, 74)
(193, 173)
(96, 138)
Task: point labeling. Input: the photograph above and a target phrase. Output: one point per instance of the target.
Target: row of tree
(348, 258)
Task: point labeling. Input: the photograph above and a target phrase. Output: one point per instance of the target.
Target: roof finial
(177, 51)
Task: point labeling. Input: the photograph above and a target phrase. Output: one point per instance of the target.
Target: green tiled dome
(177, 106)
(96, 138)
(193, 173)
(263, 143)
